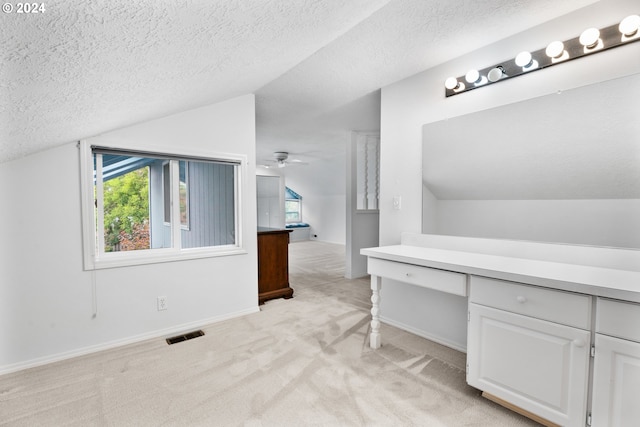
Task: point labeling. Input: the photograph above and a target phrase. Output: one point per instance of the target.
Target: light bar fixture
(591, 40)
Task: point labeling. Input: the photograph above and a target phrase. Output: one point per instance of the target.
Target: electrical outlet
(162, 303)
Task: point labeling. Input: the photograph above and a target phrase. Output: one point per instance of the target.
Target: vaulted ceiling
(81, 68)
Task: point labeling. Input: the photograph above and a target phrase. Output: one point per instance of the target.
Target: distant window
(158, 206)
(292, 206)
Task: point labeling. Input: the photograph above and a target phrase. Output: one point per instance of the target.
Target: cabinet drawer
(440, 280)
(619, 319)
(548, 304)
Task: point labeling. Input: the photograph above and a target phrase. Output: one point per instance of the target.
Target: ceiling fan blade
(297, 162)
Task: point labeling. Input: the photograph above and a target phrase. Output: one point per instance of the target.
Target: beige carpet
(299, 362)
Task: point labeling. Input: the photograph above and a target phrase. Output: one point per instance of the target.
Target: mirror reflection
(559, 168)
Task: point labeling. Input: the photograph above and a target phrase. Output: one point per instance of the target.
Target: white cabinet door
(537, 365)
(616, 383)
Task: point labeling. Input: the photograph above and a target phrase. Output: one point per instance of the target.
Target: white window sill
(154, 256)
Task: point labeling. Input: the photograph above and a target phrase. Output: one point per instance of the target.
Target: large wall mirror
(559, 168)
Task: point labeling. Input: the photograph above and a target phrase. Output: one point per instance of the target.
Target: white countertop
(605, 282)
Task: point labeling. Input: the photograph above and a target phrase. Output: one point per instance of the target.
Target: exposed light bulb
(451, 83)
(590, 39)
(630, 27)
(555, 51)
(525, 60)
(474, 77)
(496, 74)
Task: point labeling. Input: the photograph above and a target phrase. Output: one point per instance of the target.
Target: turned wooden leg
(374, 338)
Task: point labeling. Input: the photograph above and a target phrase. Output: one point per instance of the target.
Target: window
(184, 194)
(130, 215)
(292, 206)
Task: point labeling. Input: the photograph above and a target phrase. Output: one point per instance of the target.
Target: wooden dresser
(273, 264)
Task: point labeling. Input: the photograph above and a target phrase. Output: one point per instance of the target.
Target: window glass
(212, 205)
(292, 210)
(126, 203)
(132, 207)
(292, 205)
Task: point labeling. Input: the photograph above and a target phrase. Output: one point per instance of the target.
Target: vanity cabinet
(616, 378)
(553, 330)
(530, 346)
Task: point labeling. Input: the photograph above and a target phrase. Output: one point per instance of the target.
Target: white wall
(47, 300)
(325, 215)
(409, 104)
(321, 184)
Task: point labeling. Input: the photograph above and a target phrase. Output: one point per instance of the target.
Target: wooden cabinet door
(616, 383)
(534, 364)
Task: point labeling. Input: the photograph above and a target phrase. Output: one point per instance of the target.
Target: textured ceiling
(86, 67)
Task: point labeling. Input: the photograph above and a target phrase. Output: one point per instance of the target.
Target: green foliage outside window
(126, 211)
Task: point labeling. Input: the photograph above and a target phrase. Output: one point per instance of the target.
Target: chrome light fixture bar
(592, 40)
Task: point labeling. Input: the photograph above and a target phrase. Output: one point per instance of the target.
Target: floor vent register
(184, 337)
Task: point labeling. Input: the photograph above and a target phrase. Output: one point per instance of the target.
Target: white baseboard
(7, 369)
(431, 337)
(355, 274)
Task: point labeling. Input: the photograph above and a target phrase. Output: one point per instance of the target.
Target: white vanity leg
(374, 338)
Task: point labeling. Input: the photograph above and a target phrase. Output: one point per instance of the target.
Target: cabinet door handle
(578, 343)
(521, 299)
(408, 274)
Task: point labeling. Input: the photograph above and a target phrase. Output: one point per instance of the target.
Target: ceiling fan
(281, 159)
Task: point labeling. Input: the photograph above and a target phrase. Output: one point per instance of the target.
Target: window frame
(95, 259)
(299, 219)
(293, 197)
(183, 225)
